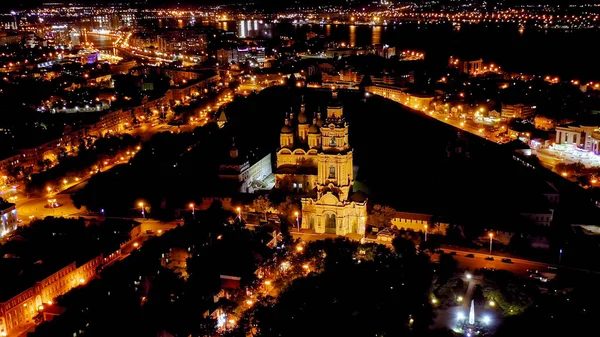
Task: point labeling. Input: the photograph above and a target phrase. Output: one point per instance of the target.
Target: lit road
(478, 131)
(38, 207)
(518, 266)
(478, 261)
(156, 227)
(147, 130)
(457, 123)
(548, 160)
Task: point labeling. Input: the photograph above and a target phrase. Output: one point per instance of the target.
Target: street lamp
(491, 237)
(239, 210)
(141, 204)
(192, 207)
(297, 222)
(559, 255)
(425, 233)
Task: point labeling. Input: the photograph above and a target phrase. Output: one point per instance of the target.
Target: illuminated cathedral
(315, 160)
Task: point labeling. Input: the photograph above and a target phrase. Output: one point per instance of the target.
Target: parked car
(507, 260)
(470, 255)
(489, 258)
(452, 253)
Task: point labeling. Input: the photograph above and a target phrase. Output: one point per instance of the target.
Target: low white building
(8, 218)
(584, 137)
(541, 217)
(248, 173)
(418, 222)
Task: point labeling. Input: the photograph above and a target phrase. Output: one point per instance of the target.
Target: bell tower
(333, 211)
(233, 152)
(286, 137)
(303, 125)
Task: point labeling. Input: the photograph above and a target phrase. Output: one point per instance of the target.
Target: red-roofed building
(230, 282)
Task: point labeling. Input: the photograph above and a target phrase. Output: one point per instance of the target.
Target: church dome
(302, 118)
(286, 129)
(314, 129)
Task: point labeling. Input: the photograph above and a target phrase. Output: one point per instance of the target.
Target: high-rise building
(181, 41)
(316, 160)
(255, 55)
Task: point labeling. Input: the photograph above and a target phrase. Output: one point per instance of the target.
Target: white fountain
(472, 313)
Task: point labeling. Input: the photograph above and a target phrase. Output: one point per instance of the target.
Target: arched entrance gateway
(330, 223)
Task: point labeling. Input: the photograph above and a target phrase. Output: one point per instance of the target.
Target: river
(565, 53)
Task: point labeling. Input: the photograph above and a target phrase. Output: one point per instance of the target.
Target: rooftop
(5, 206)
(18, 276)
(413, 216)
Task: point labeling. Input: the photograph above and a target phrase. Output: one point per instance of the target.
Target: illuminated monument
(316, 160)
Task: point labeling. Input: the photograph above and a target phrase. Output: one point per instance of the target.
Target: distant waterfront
(552, 52)
(570, 54)
(566, 53)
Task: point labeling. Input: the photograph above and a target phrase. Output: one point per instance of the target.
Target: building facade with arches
(315, 160)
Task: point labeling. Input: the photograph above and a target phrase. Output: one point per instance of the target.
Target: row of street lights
(192, 206)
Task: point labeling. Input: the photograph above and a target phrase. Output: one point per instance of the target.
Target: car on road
(452, 253)
(470, 255)
(507, 260)
(537, 276)
(489, 258)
